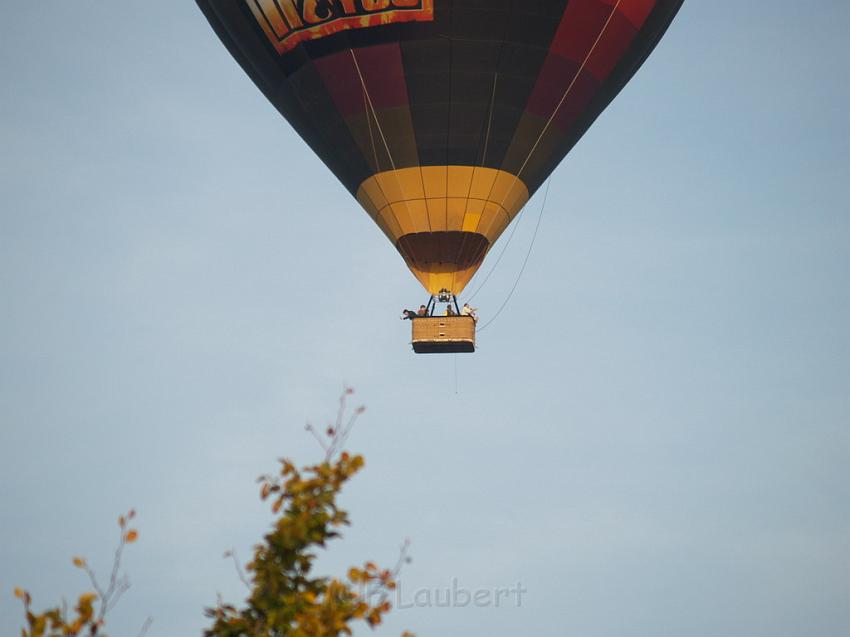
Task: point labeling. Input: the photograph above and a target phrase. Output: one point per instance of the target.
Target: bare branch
(316, 435)
(403, 558)
(145, 627)
(118, 584)
(121, 587)
(380, 589)
(117, 587)
(239, 570)
(341, 429)
(94, 582)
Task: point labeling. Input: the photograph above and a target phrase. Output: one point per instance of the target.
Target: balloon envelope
(442, 117)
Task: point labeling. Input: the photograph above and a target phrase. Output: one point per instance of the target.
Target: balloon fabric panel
(441, 117)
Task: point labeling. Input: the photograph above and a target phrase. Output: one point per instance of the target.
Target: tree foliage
(89, 615)
(286, 599)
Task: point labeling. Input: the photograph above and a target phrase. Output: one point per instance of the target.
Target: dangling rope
(501, 254)
(524, 263)
(534, 148)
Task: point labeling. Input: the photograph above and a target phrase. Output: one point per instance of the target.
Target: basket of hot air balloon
(441, 117)
(443, 335)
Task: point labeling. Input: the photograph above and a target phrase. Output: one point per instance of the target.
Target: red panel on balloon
(383, 77)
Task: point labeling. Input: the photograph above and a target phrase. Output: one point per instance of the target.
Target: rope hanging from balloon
(524, 263)
(501, 254)
(525, 164)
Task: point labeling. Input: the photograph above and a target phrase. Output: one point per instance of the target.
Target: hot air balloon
(441, 117)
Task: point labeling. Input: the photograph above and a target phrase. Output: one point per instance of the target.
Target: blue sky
(652, 438)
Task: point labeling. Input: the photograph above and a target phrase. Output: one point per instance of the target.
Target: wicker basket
(443, 334)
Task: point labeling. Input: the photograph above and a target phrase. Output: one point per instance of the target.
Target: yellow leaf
(132, 536)
(87, 598)
(19, 593)
(79, 562)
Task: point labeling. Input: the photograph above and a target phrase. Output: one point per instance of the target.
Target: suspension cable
(531, 152)
(372, 107)
(501, 253)
(525, 262)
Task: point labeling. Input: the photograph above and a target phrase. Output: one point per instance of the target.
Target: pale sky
(652, 438)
